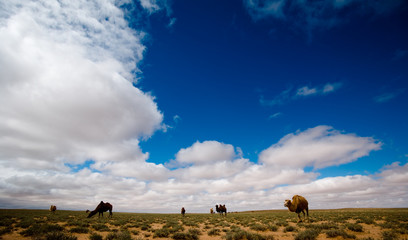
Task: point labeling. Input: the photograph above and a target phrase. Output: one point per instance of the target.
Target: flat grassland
(364, 224)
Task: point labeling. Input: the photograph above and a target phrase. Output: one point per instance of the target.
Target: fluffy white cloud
(319, 147)
(206, 152)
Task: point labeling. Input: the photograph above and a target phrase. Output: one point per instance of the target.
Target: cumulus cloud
(206, 152)
(67, 73)
(318, 147)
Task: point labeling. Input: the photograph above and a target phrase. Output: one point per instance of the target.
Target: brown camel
(298, 204)
(183, 211)
(221, 209)
(53, 208)
(102, 207)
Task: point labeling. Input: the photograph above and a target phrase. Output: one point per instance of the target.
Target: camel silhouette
(102, 207)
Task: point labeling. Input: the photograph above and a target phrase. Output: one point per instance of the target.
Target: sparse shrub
(95, 236)
(273, 228)
(244, 235)
(355, 227)
(123, 235)
(161, 233)
(332, 233)
(41, 229)
(289, 229)
(309, 234)
(389, 235)
(79, 230)
(100, 227)
(282, 223)
(258, 227)
(5, 230)
(214, 232)
(59, 236)
(194, 231)
(184, 236)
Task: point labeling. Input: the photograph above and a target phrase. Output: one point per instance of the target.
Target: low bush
(332, 233)
(123, 235)
(79, 230)
(309, 234)
(389, 235)
(59, 236)
(355, 227)
(95, 236)
(244, 235)
(214, 232)
(161, 233)
(184, 236)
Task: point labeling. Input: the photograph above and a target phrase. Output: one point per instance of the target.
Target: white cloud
(206, 152)
(66, 76)
(305, 91)
(319, 147)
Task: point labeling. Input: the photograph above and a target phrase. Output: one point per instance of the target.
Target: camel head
(287, 203)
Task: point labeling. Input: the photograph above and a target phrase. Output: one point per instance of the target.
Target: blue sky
(235, 79)
(156, 104)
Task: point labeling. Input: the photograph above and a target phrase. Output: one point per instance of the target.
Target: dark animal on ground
(53, 208)
(298, 204)
(183, 211)
(221, 209)
(102, 207)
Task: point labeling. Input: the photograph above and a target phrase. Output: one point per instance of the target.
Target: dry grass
(364, 224)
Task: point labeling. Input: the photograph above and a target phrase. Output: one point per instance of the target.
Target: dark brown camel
(102, 207)
(53, 208)
(183, 211)
(221, 209)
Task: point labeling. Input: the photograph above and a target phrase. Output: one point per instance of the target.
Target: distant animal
(102, 207)
(221, 209)
(211, 211)
(183, 211)
(53, 208)
(298, 204)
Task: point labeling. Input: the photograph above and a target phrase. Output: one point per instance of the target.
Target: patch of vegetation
(244, 235)
(95, 236)
(309, 234)
(79, 230)
(100, 227)
(332, 233)
(123, 235)
(185, 236)
(389, 235)
(355, 227)
(161, 233)
(41, 229)
(214, 232)
(59, 236)
(289, 229)
(258, 227)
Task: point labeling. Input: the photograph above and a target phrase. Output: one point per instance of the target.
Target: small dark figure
(53, 208)
(183, 211)
(102, 207)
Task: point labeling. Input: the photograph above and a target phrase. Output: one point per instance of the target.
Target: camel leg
(300, 220)
(307, 211)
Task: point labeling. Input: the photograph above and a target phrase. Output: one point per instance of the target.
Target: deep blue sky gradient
(216, 69)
